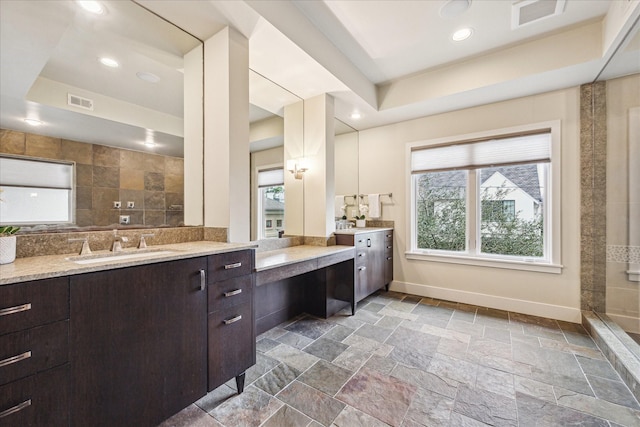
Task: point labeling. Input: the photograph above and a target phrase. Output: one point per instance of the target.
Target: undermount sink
(117, 256)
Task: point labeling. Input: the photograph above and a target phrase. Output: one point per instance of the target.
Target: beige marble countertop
(356, 230)
(44, 267)
(291, 255)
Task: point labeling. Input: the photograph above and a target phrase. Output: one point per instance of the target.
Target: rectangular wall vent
(525, 12)
(79, 101)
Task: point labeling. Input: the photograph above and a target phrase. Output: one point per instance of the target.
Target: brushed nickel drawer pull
(16, 309)
(389, 235)
(203, 280)
(362, 268)
(234, 265)
(17, 408)
(232, 293)
(389, 258)
(389, 247)
(361, 254)
(14, 359)
(232, 320)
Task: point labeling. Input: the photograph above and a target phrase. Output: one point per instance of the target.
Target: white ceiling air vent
(79, 101)
(526, 12)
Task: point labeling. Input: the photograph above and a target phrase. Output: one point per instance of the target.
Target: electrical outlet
(130, 205)
(117, 205)
(125, 219)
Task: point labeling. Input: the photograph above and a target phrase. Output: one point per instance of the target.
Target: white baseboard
(629, 324)
(567, 314)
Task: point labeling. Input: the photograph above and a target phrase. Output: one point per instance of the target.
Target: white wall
(382, 170)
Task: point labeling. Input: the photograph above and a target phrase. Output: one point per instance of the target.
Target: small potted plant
(8, 244)
(360, 219)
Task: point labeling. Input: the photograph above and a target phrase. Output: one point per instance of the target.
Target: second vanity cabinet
(138, 343)
(373, 259)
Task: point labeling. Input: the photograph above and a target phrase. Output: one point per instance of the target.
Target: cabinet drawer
(29, 304)
(388, 236)
(38, 400)
(230, 293)
(26, 352)
(228, 265)
(231, 343)
(362, 240)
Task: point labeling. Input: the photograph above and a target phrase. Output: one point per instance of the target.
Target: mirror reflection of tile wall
(154, 183)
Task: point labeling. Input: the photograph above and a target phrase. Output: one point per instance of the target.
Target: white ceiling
(389, 60)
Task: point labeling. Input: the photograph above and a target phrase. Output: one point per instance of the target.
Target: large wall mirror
(104, 89)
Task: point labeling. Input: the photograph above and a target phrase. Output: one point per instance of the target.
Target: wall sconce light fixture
(297, 167)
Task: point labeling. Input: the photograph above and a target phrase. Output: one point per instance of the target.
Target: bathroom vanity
(124, 342)
(373, 258)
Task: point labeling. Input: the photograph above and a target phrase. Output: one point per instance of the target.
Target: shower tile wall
(106, 174)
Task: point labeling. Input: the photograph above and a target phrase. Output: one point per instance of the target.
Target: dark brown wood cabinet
(138, 340)
(34, 353)
(373, 260)
(231, 319)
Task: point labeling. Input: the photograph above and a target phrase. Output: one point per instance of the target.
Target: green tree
(441, 219)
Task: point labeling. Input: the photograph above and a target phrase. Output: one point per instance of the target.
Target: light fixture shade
(297, 167)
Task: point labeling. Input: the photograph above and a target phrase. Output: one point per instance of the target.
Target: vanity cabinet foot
(240, 382)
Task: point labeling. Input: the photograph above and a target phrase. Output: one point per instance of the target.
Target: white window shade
(270, 177)
(34, 173)
(519, 149)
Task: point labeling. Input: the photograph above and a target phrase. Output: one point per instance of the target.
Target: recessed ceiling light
(453, 8)
(92, 6)
(148, 77)
(109, 62)
(356, 115)
(462, 34)
(33, 122)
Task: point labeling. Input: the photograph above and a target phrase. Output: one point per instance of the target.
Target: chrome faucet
(86, 250)
(117, 242)
(143, 243)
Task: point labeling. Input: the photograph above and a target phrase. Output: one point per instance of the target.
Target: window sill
(486, 262)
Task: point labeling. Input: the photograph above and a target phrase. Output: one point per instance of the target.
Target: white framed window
(488, 199)
(36, 191)
(270, 202)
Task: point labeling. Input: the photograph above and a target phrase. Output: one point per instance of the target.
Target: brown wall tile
(154, 181)
(174, 218)
(84, 198)
(131, 179)
(103, 217)
(43, 146)
(174, 166)
(84, 175)
(106, 177)
(106, 156)
(135, 196)
(84, 217)
(12, 142)
(153, 163)
(174, 183)
(103, 198)
(130, 159)
(78, 152)
(154, 200)
(154, 217)
(174, 199)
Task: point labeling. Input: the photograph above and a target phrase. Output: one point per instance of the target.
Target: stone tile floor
(409, 361)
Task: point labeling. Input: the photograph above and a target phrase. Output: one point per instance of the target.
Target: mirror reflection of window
(270, 202)
(36, 191)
